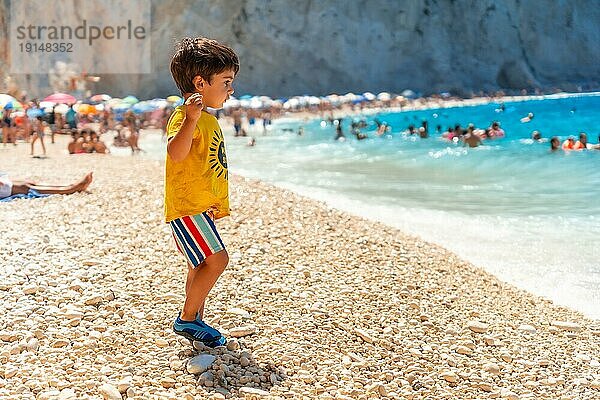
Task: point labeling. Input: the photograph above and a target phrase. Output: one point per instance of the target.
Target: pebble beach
(316, 303)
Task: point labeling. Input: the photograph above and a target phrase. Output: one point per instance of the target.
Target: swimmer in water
(339, 134)
(554, 144)
(526, 119)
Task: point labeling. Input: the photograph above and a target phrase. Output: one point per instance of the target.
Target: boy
(196, 178)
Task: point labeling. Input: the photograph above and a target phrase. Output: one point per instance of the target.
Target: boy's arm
(179, 146)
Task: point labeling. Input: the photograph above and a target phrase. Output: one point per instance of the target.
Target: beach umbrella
(384, 96)
(121, 107)
(143, 106)
(61, 98)
(174, 99)
(13, 105)
(255, 103)
(158, 103)
(5, 99)
(369, 96)
(85, 109)
(291, 103)
(100, 97)
(131, 100)
(114, 101)
(409, 94)
(61, 108)
(47, 104)
(34, 112)
(8, 102)
(231, 103)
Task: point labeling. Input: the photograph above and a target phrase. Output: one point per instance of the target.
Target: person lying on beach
(10, 187)
(554, 144)
(204, 71)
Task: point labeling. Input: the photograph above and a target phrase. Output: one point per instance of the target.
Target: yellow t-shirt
(200, 181)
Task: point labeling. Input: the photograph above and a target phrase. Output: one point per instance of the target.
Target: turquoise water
(530, 217)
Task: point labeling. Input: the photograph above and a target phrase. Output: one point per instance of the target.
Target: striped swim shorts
(196, 237)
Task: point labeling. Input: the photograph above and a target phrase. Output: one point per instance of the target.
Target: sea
(510, 206)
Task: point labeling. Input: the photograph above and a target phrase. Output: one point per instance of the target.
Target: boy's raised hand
(193, 106)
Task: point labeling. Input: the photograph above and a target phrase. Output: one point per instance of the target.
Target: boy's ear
(198, 83)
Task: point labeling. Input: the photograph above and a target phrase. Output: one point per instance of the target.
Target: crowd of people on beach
(87, 129)
(34, 124)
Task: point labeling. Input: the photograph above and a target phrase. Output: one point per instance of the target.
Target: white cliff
(319, 47)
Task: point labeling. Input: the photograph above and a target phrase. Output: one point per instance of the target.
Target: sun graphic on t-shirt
(216, 155)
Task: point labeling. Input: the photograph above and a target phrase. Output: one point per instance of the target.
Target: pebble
(321, 324)
(250, 391)
(492, 368)
(567, 326)
(93, 301)
(242, 331)
(30, 289)
(449, 376)
(464, 350)
(364, 335)
(477, 326)
(239, 312)
(526, 328)
(232, 345)
(200, 363)
(109, 392)
(168, 382)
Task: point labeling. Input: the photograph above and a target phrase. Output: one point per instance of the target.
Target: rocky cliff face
(319, 47)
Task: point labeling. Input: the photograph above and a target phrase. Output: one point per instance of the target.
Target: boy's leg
(199, 283)
(187, 289)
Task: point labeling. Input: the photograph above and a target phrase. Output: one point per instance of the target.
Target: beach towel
(32, 194)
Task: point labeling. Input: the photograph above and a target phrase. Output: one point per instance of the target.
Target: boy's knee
(219, 260)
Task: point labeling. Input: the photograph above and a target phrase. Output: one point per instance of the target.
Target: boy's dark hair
(200, 56)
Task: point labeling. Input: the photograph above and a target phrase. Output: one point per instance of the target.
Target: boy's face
(219, 89)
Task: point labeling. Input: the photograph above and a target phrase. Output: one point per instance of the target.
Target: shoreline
(429, 104)
(341, 307)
